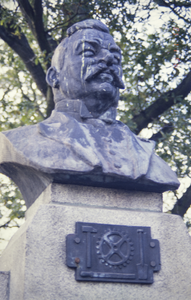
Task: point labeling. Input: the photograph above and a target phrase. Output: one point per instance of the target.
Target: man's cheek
(87, 64)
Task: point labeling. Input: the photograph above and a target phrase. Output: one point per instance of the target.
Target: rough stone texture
(4, 285)
(37, 252)
(98, 197)
(13, 260)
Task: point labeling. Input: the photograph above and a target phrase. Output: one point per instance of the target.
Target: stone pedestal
(36, 255)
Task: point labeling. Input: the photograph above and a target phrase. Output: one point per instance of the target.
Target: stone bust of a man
(86, 66)
(82, 142)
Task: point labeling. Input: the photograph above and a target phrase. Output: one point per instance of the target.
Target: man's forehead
(95, 36)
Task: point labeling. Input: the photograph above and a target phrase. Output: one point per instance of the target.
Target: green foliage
(154, 64)
(12, 200)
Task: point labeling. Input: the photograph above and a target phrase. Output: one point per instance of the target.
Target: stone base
(36, 254)
(4, 285)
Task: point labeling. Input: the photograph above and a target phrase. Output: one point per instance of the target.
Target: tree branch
(20, 45)
(163, 103)
(176, 5)
(168, 128)
(183, 204)
(7, 225)
(181, 4)
(12, 35)
(5, 93)
(34, 18)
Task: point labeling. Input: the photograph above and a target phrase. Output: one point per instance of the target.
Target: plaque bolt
(152, 244)
(77, 240)
(153, 263)
(77, 260)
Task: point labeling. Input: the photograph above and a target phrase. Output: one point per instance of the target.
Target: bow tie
(77, 107)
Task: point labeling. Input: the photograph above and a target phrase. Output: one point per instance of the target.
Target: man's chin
(104, 90)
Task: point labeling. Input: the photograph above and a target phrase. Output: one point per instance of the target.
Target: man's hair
(87, 24)
(59, 53)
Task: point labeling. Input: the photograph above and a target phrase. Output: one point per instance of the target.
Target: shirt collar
(78, 110)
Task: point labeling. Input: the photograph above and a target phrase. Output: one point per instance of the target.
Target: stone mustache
(82, 142)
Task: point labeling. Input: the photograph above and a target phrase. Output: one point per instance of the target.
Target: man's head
(87, 66)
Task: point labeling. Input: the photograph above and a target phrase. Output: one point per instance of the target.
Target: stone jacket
(68, 149)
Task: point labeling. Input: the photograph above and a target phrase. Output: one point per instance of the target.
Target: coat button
(112, 152)
(117, 165)
(108, 140)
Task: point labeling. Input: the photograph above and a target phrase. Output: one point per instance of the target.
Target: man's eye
(88, 52)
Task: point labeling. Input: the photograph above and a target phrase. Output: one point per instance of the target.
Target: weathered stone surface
(82, 142)
(13, 260)
(97, 197)
(42, 259)
(4, 285)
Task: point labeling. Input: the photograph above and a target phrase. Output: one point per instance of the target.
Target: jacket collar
(78, 110)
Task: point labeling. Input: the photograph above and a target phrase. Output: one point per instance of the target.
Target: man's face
(92, 70)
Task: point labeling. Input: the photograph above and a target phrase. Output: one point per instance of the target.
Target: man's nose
(107, 58)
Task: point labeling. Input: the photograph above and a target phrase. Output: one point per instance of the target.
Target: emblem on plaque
(112, 253)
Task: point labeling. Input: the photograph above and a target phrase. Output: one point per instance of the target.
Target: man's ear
(52, 77)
